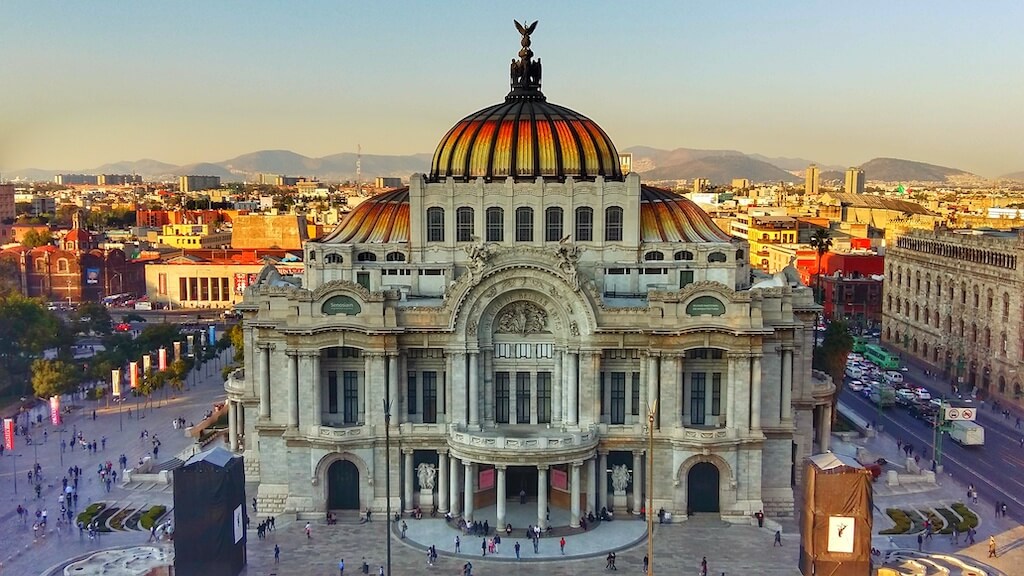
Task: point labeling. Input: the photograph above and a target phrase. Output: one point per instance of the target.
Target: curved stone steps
(913, 563)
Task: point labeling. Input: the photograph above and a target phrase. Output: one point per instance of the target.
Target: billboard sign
(92, 276)
(9, 433)
(115, 382)
(55, 410)
(133, 374)
(162, 359)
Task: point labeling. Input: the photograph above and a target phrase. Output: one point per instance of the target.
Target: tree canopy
(53, 377)
(27, 328)
(831, 356)
(36, 238)
(93, 317)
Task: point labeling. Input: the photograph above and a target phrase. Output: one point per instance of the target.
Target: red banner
(162, 359)
(55, 410)
(9, 433)
(133, 374)
(486, 479)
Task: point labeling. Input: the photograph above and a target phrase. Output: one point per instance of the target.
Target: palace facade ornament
(426, 473)
(523, 318)
(568, 262)
(620, 477)
(479, 253)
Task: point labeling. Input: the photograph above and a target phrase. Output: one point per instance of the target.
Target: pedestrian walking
(517, 550)
(253, 501)
(404, 528)
(992, 547)
(561, 545)
(458, 545)
(920, 542)
(956, 535)
(778, 539)
(646, 563)
(483, 547)
(341, 567)
(309, 530)
(704, 566)
(277, 554)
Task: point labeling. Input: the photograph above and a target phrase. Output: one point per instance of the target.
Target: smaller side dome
(381, 219)
(668, 217)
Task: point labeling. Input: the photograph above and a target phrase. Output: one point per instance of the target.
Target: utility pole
(651, 414)
(387, 480)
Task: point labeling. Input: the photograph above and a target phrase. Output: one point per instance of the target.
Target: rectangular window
(430, 397)
(410, 395)
(524, 224)
(495, 224)
(215, 289)
(636, 394)
(501, 393)
(544, 397)
(350, 396)
(435, 224)
(613, 220)
(225, 293)
(697, 398)
(716, 394)
(584, 224)
(162, 283)
(553, 224)
(332, 392)
(600, 392)
(522, 397)
(618, 415)
(685, 278)
(363, 279)
(204, 289)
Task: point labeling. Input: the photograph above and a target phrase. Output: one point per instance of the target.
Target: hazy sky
(88, 82)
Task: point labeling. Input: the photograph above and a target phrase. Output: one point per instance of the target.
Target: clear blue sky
(84, 83)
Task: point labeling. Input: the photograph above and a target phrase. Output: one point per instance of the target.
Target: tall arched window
(613, 224)
(62, 266)
(435, 224)
(584, 224)
(464, 224)
(495, 224)
(524, 224)
(553, 230)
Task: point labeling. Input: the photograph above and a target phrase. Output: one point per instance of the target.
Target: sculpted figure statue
(479, 253)
(426, 473)
(568, 259)
(620, 478)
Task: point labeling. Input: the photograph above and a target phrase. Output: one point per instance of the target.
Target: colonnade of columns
(236, 425)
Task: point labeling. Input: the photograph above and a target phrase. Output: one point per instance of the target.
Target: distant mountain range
(720, 166)
(1018, 176)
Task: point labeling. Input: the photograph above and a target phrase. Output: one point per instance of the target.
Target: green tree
(177, 372)
(93, 317)
(26, 330)
(831, 356)
(152, 381)
(9, 276)
(821, 241)
(36, 238)
(53, 377)
(237, 338)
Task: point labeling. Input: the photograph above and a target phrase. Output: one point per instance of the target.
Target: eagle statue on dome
(525, 70)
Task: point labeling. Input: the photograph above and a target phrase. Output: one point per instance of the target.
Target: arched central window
(683, 255)
(435, 224)
(334, 259)
(495, 224)
(655, 255)
(524, 224)
(584, 224)
(366, 257)
(395, 257)
(464, 224)
(613, 224)
(553, 224)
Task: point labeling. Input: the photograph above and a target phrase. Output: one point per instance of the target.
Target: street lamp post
(651, 413)
(387, 480)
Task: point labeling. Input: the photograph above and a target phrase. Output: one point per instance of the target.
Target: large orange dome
(525, 137)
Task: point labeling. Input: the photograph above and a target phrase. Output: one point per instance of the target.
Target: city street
(20, 552)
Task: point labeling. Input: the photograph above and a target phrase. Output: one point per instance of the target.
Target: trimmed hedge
(902, 520)
(117, 522)
(970, 519)
(87, 515)
(938, 526)
(150, 517)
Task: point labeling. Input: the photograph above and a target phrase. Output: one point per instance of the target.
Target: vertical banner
(55, 410)
(133, 374)
(115, 382)
(177, 351)
(162, 358)
(147, 363)
(188, 350)
(9, 434)
(213, 335)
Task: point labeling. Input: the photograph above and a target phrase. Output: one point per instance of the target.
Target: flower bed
(102, 517)
(90, 512)
(151, 516)
(902, 520)
(117, 522)
(970, 519)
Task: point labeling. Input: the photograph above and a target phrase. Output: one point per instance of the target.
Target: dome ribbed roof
(668, 217)
(525, 136)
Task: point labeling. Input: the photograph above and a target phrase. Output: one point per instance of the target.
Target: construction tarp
(836, 522)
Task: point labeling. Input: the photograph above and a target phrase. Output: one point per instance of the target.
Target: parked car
(856, 385)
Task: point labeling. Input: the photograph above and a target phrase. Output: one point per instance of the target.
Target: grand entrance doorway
(343, 486)
(520, 478)
(702, 488)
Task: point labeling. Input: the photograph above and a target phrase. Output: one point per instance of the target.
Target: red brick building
(851, 286)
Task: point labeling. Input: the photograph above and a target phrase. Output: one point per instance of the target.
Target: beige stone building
(520, 307)
(954, 299)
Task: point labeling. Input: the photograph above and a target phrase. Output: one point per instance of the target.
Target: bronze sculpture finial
(525, 72)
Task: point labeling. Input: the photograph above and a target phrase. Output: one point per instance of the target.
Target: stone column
(264, 377)
(591, 485)
(671, 392)
(732, 395)
(453, 485)
(755, 393)
(638, 481)
(409, 504)
(499, 502)
(653, 385)
(557, 389)
(787, 383)
(318, 390)
(474, 389)
(573, 389)
(602, 480)
(458, 388)
(487, 402)
(574, 495)
(232, 425)
(826, 427)
(396, 411)
(293, 389)
(442, 481)
(542, 496)
(468, 509)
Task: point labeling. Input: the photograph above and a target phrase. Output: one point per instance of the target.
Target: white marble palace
(520, 307)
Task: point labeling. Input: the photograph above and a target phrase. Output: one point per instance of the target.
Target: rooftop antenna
(359, 169)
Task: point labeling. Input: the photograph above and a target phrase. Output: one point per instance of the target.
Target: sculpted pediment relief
(349, 287)
(522, 318)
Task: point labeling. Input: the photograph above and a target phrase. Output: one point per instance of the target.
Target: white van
(854, 372)
(894, 377)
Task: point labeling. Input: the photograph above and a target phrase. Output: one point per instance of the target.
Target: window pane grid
(544, 397)
(697, 382)
(553, 224)
(522, 397)
(524, 225)
(501, 397)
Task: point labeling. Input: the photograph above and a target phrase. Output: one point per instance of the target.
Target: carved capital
(543, 467)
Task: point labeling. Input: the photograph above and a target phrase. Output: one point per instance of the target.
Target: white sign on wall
(239, 524)
(953, 413)
(840, 534)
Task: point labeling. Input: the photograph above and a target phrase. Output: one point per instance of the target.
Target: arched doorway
(343, 486)
(702, 488)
